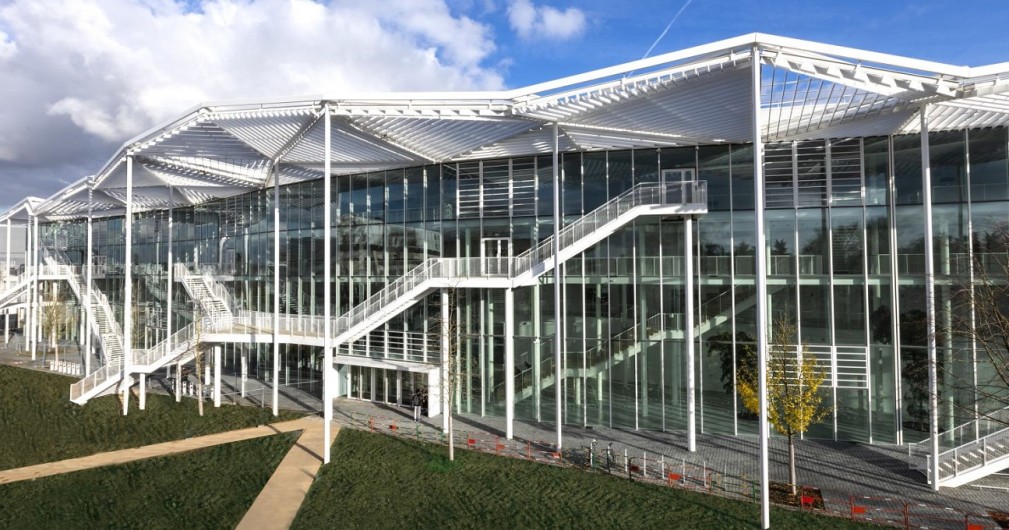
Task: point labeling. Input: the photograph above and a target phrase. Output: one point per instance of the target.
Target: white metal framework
(699, 95)
(754, 89)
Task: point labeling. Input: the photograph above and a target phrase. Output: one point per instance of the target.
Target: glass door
(494, 254)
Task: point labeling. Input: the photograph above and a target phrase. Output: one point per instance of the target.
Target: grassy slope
(39, 423)
(376, 481)
(208, 488)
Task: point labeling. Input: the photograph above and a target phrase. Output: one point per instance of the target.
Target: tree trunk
(792, 480)
(451, 438)
(199, 394)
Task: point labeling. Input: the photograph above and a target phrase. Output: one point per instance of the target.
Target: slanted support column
(217, 376)
(128, 287)
(761, 280)
(558, 309)
(509, 362)
(327, 303)
(276, 292)
(933, 384)
(688, 328)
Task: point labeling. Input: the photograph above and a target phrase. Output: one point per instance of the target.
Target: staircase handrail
(646, 193)
(94, 379)
(985, 443)
(442, 268)
(219, 291)
(999, 416)
(19, 284)
(410, 343)
(429, 269)
(151, 275)
(149, 356)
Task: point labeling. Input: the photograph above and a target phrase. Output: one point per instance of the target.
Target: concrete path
(161, 449)
(279, 502)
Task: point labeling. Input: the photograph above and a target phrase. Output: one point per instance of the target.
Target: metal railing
(992, 449)
(645, 194)
(181, 341)
(396, 345)
(93, 380)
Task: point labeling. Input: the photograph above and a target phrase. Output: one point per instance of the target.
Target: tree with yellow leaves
(794, 379)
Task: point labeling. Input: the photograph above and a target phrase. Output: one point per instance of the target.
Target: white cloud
(545, 22)
(7, 47)
(89, 73)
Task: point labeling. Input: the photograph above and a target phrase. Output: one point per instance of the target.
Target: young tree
(451, 370)
(794, 379)
(55, 319)
(979, 319)
(199, 350)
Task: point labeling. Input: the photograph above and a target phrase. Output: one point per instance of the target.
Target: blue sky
(80, 78)
(964, 33)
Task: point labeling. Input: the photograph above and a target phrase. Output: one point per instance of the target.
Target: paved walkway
(150, 451)
(839, 469)
(281, 498)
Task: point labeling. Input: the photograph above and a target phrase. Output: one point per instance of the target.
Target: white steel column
(6, 275)
(509, 362)
(761, 279)
(88, 310)
(688, 329)
(217, 376)
(276, 291)
(128, 287)
(171, 273)
(933, 386)
(142, 402)
(558, 310)
(327, 303)
(445, 356)
(33, 289)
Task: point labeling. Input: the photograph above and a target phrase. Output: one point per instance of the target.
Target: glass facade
(845, 261)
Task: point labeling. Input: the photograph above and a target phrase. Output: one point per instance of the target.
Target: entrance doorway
(495, 254)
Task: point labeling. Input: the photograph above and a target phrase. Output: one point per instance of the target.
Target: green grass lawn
(207, 488)
(376, 481)
(38, 423)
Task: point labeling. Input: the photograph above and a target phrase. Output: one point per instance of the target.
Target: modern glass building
(364, 246)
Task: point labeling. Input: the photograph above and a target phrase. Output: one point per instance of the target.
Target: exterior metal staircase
(986, 452)
(214, 299)
(15, 289)
(680, 198)
(215, 303)
(110, 339)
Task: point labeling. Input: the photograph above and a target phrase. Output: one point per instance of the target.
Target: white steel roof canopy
(700, 95)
